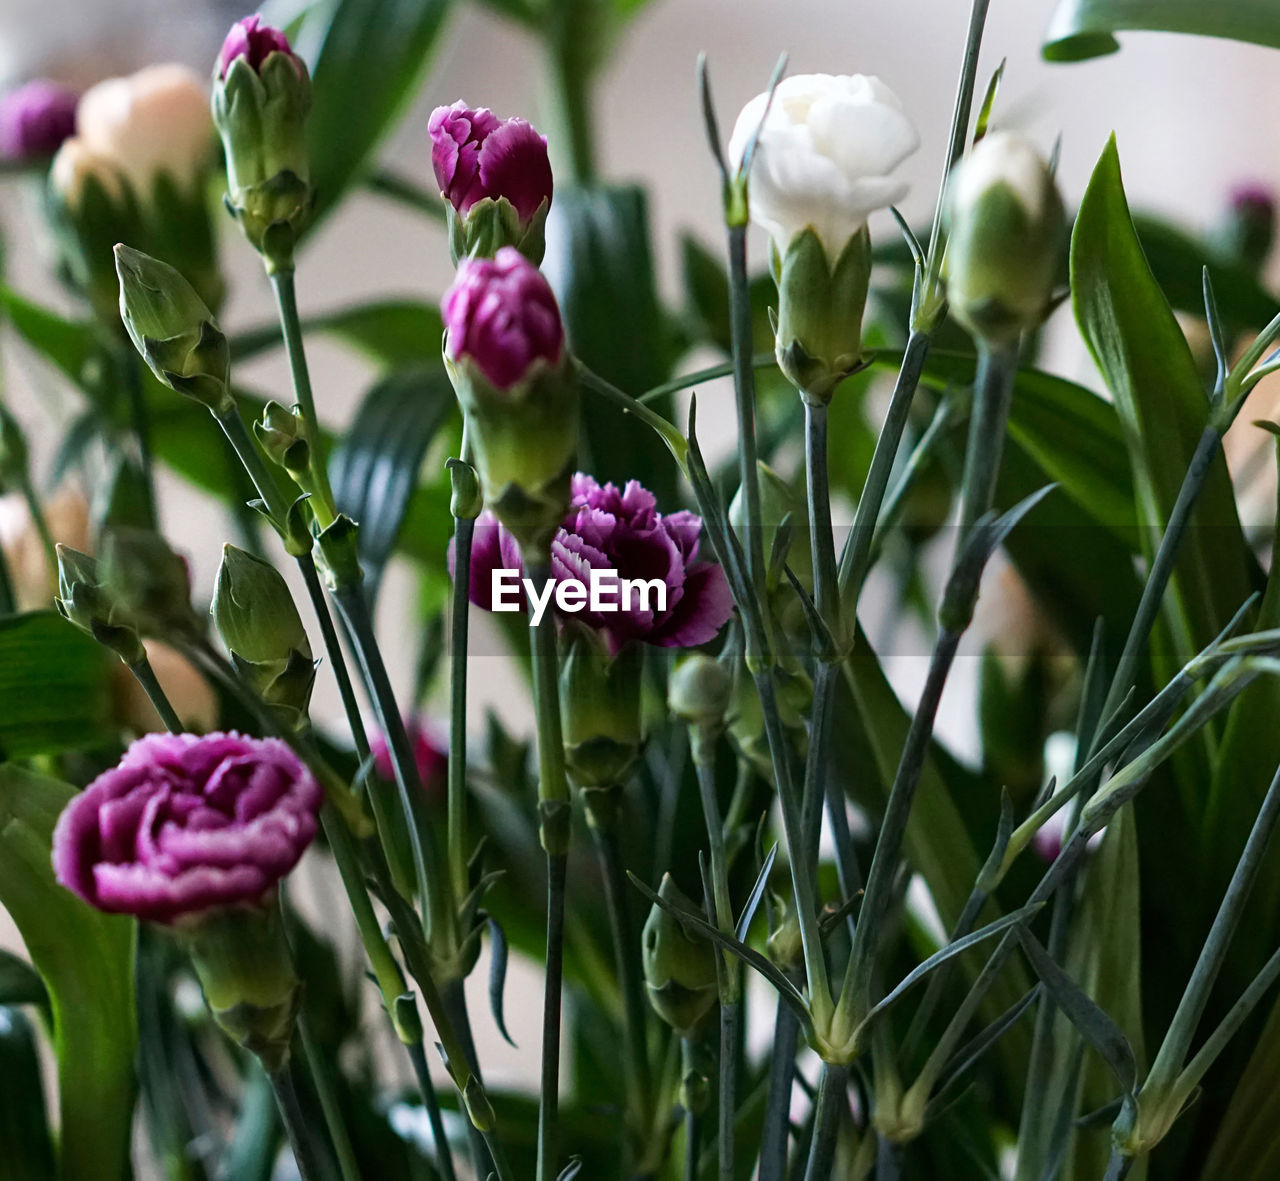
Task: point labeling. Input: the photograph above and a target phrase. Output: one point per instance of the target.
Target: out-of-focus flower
(430, 755)
(186, 824)
(496, 177)
(826, 156)
(1006, 236)
(250, 39)
(621, 530)
(824, 162)
(1248, 230)
(261, 96)
(35, 119)
(34, 579)
(150, 124)
(504, 350)
(191, 696)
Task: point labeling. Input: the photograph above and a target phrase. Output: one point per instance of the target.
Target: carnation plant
(250, 931)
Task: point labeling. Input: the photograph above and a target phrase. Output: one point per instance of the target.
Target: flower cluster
(608, 528)
(186, 824)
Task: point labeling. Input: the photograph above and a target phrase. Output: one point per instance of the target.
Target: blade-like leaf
(20, 983)
(498, 976)
(393, 332)
(86, 961)
(1086, 28)
(757, 893)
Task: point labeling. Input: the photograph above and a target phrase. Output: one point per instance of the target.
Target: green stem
(464, 530)
(993, 389)
(727, 1100)
(821, 538)
(744, 386)
(427, 1089)
(287, 302)
(145, 675)
(308, 1155)
(692, 1136)
(626, 949)
(549, 1103)
(1118, 1166)
(571, 75)
(703, 745)
(777, 1115)
(832, 1102)
(330, 1106)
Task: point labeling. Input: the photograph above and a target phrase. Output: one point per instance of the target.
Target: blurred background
(1192, 119)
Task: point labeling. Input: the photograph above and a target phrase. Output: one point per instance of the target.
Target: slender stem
(454, 999)
(821, 538)
(888, 1159)
(330, 1105)
(727, 1105)
(308, 1155)
(548, 1108)
(431, 1101)
(145, 675)
(692, 1137)
(1162, 568)
(435, 896)
(704, 764)
(744, 385)
(463, 532)
(570, 54)
(287, 302)
(825, 679)
(626, 949)
(1118, 1165)
(777, 1115)
(993, 389)
(832, 1102)
(855, 561)
(8, 604)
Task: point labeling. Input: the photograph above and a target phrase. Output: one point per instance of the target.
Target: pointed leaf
(498, 976)
(1086, 28)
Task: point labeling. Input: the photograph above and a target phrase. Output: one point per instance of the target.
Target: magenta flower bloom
(501, 313)
(621, 530)
(476, 155)
(430, 754)
(185, 824)
(35, 119)
(255, 42)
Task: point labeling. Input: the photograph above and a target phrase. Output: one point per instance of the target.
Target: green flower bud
(283, 437)
(784, 945)
(679, 971)
(820, 307)
(466, 499)
(173, 330)
(261, 116)
(600, 711)
(700, 690)
(258, 622)
(778, 503)
(1006, 236)
(490, 225)
(150, 581)
(83, 600)
(241, 957)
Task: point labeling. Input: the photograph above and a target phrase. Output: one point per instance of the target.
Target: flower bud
(777, 503)
(150, 581)
(495, 178)
(258, 622)
(679, 971)
(173, 330)
(283, 437)
(261, 96)
(35, 119)
(506, 357)
(600, 711)
(1006, 236)
(83, 600)
(818, 339)
(700, 690)
(466, 502)
(784, 944)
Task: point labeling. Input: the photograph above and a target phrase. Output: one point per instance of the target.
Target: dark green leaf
(1086, 28)
(26, 1146)
(498, 976)
(86, 961)
(20, 983)
(371, 56)
(393, 332)
(54, 687)
(375, 471)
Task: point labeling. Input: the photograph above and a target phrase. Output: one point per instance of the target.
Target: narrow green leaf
(1086, 28)
(54, 687)
(498, 976)
(393, 332)
(86, 961)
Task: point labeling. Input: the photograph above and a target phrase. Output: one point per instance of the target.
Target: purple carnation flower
(502, 314)
(255, 42)
(622, 530)
(476, 155)
(187, 823)
(35, 119)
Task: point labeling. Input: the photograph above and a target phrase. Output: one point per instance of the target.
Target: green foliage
(86, 961)
(1086, 28)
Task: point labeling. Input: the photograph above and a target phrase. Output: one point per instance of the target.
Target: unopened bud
(700, 690)
(679, 971)
(83, 600)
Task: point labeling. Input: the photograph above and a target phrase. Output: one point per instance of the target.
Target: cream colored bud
(34, 579)
(75, 163)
